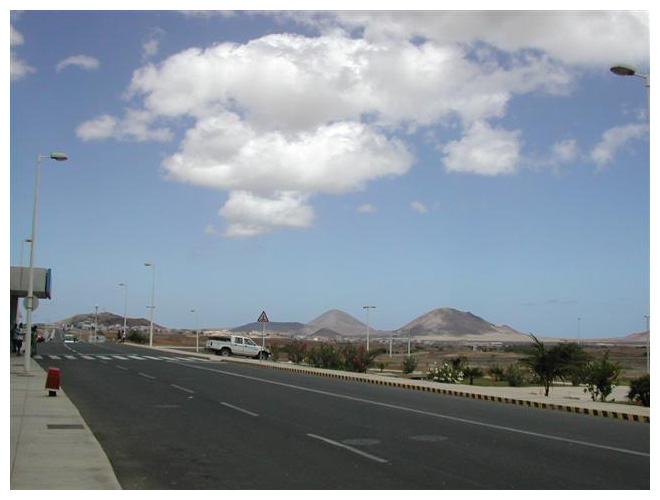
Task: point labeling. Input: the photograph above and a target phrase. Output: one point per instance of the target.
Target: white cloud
(367, 208)
(135, 126)
(18, 68)
(613, 139)
(249, 215)
(419, 207)
(565, 151)
(484, 150)
(151, 43)
(81, 61)
(591, 38)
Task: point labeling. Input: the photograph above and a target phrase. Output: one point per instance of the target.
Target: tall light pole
(579, 330)
(628, 70)
(30, 299)
(125, 286)
(96, 322)
(648, 343)
(367, 308)
(153, 288)
(196, 331)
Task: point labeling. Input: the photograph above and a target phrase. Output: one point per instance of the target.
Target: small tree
(409, 364)
(601, 377)
(543, 365)
(296, 351)
(640, 390)
(496, 372)
(471, 372)
(514, 375)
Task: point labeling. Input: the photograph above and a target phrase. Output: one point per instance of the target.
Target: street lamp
(579, 330)
(153, 288)
(125, 286)
(30, 299)
(367, 308)
(628, 70)
(196, 331)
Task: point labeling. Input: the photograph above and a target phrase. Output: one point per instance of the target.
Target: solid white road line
(428, 413)
(349, 448)
(182, 388)
(239, 409)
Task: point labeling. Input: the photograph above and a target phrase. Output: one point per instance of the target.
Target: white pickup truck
(227, 345)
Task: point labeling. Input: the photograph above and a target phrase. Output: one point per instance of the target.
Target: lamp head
(623, 70)
(59, 156)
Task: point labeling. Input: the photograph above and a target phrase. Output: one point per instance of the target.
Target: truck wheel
(225, 352)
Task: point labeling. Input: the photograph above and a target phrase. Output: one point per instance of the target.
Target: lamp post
(153, 288)
(579, 330)
(30, 299)
(367, 308)
(196, 331)
(648, 343)
(96, 322)
(628, 70)
(125, 286)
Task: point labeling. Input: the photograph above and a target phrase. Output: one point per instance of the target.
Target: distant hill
(280, 327)
(339, 322)
(326, 334)
(452, 323)
(106, 320)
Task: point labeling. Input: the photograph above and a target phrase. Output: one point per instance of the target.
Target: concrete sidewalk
(51, 446)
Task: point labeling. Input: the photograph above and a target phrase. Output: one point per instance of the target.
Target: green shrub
(496, 372)
(324, 356)
(137, 337)
(472, 372)
(601, 377)
(640, 390)
(296, 351)
(409, 364)
(515, 375)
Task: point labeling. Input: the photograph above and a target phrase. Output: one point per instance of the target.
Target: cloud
(565, 151)
(367, 208)
(135, 126)
(419, 207)
(338, 109)
(615, 138)
(484, 150)
(249, 215)
(18, 68)
(81, 61)
(591, 38)
(151, 43)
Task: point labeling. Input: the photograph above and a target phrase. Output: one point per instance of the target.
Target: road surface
(172, 422)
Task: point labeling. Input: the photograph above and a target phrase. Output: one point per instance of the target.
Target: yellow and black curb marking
(424, 388)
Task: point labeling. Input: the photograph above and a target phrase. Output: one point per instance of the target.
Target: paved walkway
(51, 446)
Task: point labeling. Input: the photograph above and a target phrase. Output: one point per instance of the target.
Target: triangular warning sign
(263, 318)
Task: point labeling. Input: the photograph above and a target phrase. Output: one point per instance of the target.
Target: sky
(299, 161)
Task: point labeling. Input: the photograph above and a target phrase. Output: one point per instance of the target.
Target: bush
(137, 337)
(444, 373)
(601, 377)
(357, 359)
(515, 375)
(324, 356)
(640, 390)
(409, 364)
(296, 351)
(496, 372)
(472, 372)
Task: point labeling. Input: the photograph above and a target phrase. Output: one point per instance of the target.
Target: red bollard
(53, 380)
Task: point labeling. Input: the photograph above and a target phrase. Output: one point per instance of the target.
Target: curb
(623, 416)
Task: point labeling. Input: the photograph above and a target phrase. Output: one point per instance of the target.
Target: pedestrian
(12, 336)
(33, 344)
(19, 334)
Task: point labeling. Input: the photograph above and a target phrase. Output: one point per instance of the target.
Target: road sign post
(263, 319)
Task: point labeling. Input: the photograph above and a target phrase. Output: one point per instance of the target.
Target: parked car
(228, 345)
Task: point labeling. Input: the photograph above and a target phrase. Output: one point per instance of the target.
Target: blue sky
(300, 162)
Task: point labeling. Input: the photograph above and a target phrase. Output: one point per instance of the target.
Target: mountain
(106, 319)
(339, 322)
(282, 327)
(326, 334)
(454, 324)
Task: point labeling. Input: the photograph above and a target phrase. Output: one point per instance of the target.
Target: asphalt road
(170, 422)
